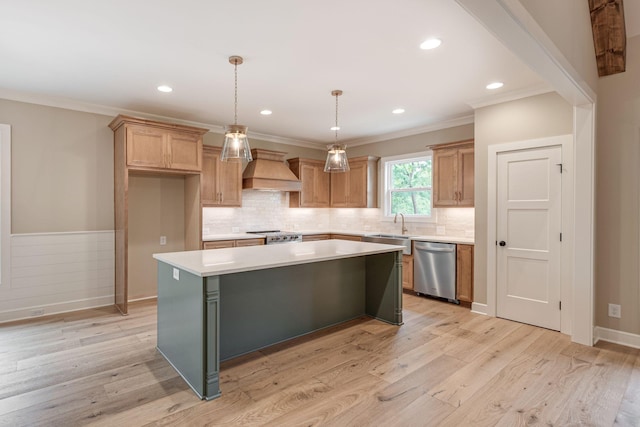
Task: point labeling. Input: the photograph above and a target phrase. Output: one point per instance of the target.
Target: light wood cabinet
(316, 184)
(358, 187)
(407, 272)
(346, 237)
(150, 147)
(464, 273)
(315, 237)
(153, 147)
(453, 179)
(221, 181)
(221, 244)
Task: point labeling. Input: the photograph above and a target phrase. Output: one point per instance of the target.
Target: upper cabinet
(453, 181)
(316, 184)
(152, 145)
(358, 187)
(221, 182)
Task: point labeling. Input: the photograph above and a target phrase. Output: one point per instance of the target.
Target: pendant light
(236, 143)
(336, 154)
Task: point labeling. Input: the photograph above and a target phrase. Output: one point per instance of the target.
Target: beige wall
(156, 208)
(535, 117)
(412, 144)
(62, 169)
(617, 195)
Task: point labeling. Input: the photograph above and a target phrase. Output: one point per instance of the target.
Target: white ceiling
(115, 53)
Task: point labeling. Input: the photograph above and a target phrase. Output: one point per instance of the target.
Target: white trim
(64, 233)
(568, 215)
(616, 337)
(5, 206)
(479, 308)
(48, 309)
(143, 299)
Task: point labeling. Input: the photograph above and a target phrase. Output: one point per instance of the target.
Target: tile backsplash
(263, 210)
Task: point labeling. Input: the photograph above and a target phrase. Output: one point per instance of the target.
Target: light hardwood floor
(444, 367)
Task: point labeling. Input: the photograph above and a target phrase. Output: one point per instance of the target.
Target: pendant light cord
(235, 110)
(337, 118)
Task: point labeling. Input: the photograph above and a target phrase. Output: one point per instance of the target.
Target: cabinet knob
(502, 243)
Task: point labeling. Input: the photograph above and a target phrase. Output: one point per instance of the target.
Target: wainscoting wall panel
(58, 272)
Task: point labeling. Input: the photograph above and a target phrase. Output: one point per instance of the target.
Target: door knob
(502, 243)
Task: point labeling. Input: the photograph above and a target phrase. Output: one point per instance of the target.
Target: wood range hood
(268, 171)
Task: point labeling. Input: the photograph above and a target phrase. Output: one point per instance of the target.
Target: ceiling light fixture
(398, 111)
(266, 112)
(236, 144)
(336, 155)
(430, 44)
(165, 88)
(495, 85)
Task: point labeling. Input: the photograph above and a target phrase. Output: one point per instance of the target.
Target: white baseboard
(63, 307)
(616, 337)
(479, 308)
(144, 298)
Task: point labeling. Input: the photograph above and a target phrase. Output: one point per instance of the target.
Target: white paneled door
(529, 236)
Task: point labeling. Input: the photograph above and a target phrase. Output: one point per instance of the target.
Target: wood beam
(609, 35)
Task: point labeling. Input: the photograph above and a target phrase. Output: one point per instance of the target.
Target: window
(407, 186)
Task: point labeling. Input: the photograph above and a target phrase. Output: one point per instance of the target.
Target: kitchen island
(217, 304)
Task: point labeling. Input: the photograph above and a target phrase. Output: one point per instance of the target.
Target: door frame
(5, 206)
(565, 142)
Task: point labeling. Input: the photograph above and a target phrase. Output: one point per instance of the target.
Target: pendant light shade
(236, 144)
(336, 154)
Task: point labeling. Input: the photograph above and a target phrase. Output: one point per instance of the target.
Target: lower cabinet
(315, 237)
(407, 272)
(346, 237)
(464, 273)
(220, 244)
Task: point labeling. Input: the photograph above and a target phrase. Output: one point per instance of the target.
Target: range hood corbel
(268, 171)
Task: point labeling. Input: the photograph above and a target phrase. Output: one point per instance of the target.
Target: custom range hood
(268, 171)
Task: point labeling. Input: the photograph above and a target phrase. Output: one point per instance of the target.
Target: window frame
(385, 190)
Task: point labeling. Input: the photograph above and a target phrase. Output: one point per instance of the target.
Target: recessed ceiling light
(335, 128)
(398, 111)
(495, 85)
(430, 44)
(266, 112)
(165, 88)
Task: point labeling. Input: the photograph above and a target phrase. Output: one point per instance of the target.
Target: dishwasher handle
(430, 248)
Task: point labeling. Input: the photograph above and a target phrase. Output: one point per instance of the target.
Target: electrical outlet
(205, 230)
(163, 240)
(440, 230)
(176, 274)
(38, 312)
(615, 310)
(235, 229)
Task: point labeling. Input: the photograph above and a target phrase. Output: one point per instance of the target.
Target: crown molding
(445, 124)
(513, 95)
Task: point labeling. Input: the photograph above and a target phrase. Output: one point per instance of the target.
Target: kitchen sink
(391, 239)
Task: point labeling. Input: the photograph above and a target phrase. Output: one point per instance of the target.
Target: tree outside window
(409, 187)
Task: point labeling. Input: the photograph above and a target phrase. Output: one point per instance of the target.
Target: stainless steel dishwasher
(434, 269)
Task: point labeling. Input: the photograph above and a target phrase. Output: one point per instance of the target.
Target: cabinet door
(445, 174)
(339, 189)
(209, 193)
(219, 244)
(249, 242)
(357, 193)
(346, 237)
(407, 272)
(322, 187)
(308, 179)
(315, 237)
(145, 147)
(465, 177)
(464, 273)
(184, 151)
(230, 183)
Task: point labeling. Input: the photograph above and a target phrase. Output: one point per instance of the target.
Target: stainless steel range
(276, 236)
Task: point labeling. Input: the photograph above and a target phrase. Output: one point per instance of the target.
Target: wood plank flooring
(444, 367)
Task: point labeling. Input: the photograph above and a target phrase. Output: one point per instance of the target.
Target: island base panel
(264, 307)
(384, 287)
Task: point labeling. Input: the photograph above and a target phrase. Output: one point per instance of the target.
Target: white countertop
(215, 262)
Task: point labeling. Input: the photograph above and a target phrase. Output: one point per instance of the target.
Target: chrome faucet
(395, 220)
